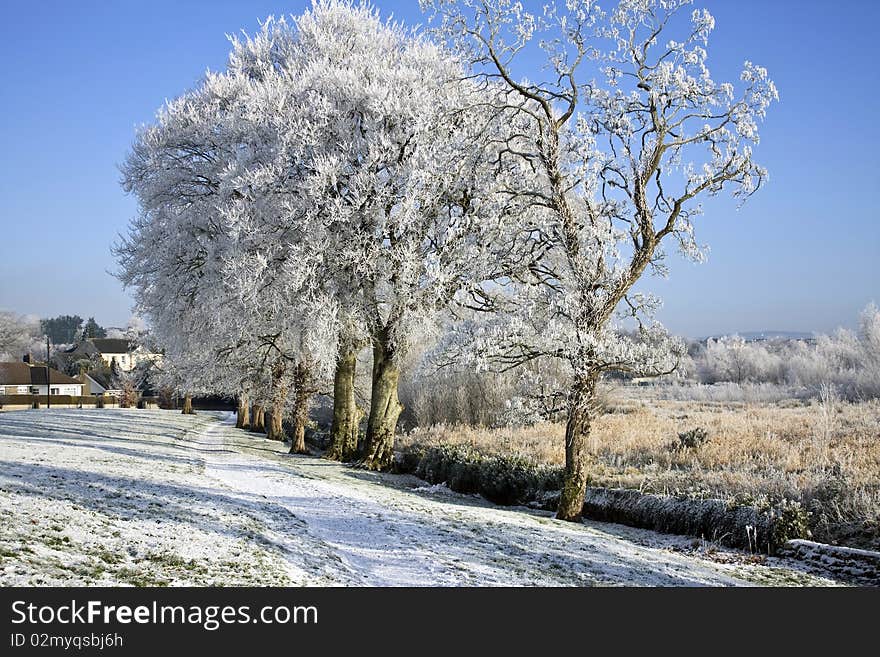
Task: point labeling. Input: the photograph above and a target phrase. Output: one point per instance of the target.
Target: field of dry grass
(823, 452)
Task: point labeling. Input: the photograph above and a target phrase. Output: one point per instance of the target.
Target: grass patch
(138, 578)
(823, 454)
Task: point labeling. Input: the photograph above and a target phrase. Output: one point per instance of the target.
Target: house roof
(96, 379)
(22, 374)
(99, 378)
(84, 347)
(112, 345)
(15, 374)
(38, 377)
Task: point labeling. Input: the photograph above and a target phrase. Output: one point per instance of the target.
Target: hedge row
(41, 399)
(508, 479)
(740, 526)
(512, 479)
(65, 400)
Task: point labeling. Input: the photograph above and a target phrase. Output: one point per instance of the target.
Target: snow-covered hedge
(501, 479)
(748, 527)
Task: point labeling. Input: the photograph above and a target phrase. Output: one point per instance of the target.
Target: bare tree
(619, 144)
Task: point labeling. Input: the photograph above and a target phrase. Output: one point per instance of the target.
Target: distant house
(30, 379)
(93, 384)
(126, 355)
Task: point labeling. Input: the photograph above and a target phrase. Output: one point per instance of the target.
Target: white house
(28, 379)
(126, 356)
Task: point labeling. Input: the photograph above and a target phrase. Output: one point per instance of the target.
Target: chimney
(27, 359)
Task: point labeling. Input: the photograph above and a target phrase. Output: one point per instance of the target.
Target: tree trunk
(346, 414)
(243, 419)
(279, 401)
(581, 409)
(187, 404)
(385, 408)
(301, 396)
(258, 419)
(274, 426)
(298, 440)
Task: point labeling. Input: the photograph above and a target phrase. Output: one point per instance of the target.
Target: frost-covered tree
(165, 258)
(411, 202)
(382, 187)
(286, 250)
(19, 334)
(219, 256)
(128, 384)
(733, 359)
(869, 335)
(626, 135)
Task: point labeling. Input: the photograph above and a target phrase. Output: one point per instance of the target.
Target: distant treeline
(66, 329)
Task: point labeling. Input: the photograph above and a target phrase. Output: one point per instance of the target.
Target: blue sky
(79, 77)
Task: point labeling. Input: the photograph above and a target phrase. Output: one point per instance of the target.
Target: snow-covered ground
(104, 497)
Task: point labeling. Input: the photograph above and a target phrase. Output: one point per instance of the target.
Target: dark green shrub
(789, 519)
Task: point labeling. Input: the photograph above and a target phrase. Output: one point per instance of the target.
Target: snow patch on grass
(111, 497)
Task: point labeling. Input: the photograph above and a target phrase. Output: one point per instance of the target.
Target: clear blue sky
(802, 255)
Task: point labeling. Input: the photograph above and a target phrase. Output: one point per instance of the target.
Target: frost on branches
(345, 182)
(216, 257)
(322, 193)
(620, 145)
(19, 335)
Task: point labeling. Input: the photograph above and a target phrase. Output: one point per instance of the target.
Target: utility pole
(48, 383)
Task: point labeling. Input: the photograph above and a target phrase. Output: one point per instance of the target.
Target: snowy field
(129, 497)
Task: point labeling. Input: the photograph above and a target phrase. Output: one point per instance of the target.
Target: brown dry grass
(824, 453)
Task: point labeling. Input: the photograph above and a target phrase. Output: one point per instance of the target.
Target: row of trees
(723, 369)
(848, 360)
(347, 183)
(21, 334)
(66, 329)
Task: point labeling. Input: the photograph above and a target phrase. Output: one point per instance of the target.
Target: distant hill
(755, 336)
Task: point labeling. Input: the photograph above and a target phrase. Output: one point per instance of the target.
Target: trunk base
(275, 431)
(346, 414)
(379, 450)
(298, 448)
(571, 505)
(258, 421)
(385, 409)
(301, 397)
(243, 413)
(581, 408)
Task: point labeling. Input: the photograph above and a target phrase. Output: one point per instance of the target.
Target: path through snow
(116, 496)
(393, 530)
